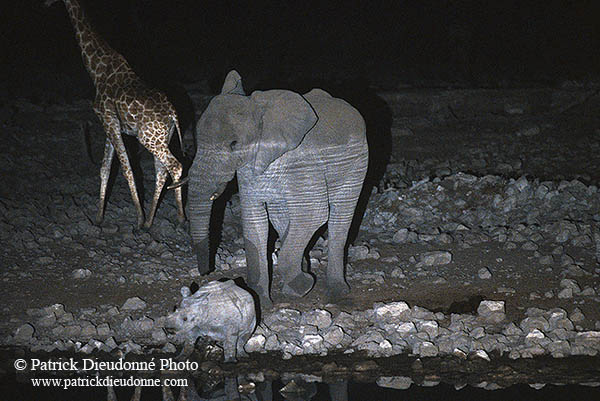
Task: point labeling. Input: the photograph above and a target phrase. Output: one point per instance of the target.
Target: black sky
(421, 42)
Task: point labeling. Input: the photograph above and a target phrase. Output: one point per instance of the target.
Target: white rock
(484, 273)
(535, 334)
(430, 327)
(392, 311)
(79, 274)
(481, 354)
(334, 335)
(491, 310)
(426, 349)
(435, 258)
(406, 328)
(312, 343)
(318, 317)
(255, 343)
(395, 382)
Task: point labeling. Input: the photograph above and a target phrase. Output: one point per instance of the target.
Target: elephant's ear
(286, 119)
(233, 84)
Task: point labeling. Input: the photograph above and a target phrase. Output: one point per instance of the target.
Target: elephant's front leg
(256, 231)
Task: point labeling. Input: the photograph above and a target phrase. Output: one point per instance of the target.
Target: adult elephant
(300, 160)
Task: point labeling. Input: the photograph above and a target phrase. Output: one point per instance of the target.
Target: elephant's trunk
(198, 211)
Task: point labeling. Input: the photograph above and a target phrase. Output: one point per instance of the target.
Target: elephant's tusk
(214, 196)
(178, 184)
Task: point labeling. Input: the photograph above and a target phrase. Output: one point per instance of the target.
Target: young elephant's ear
(286, 119)
(233, 84)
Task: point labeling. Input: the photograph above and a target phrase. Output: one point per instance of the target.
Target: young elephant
(300, 162)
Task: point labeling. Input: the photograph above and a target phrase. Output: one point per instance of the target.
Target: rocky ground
(480, 239)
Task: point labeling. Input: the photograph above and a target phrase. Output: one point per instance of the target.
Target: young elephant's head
(238, 131)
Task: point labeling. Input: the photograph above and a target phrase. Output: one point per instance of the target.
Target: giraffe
(126, 105)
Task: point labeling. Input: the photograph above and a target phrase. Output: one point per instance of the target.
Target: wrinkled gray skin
(221, 311)
(300, 162)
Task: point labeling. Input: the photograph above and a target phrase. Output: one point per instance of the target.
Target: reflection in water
(265, 378)
(294, 389)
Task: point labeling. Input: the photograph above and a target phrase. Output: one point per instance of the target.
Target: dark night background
(292, 44)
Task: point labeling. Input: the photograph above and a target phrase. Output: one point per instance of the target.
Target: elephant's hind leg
(301, 227)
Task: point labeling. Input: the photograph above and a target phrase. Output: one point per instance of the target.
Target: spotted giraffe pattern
(125, 105)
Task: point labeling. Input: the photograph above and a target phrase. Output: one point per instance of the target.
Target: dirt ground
(53, 253)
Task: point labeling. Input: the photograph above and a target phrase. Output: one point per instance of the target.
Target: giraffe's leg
(161, 152)
(161, 178)
(109, 152)
(119, 146)
(175, 170)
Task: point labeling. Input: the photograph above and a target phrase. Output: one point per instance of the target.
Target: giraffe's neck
(100, 60)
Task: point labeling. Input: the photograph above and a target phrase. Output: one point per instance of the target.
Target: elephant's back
(339, 122)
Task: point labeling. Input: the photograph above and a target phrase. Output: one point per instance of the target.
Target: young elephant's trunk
(199, 209)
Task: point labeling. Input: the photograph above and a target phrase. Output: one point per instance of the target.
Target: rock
(534, 322)
(134, 303)
(358, 252)
(435, 258)
(373, 337)
(533, 336)
(478, 332)
(406, 328)
(588, 292)
(283, 319)
(481, 354)
(395, 382)
(272, 343)
(529, 246)
(81, 274)
(24, 333)
(491, 311)
(430, 327)
(425, 349)
(484, 273)
(137, 327)
(566, 293)
(530, 131)
(512, 330)
(572, 284)
(418, 312)
(312, 343)
(131, 347)
(104, 330)
(47, 321)
(577, 316)
(256, 343)
(334, 335)
(393, 311)
(88, 330)
(169, 348)
(401, 236)
(365, 366)
(318, 317)
(159, 335)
